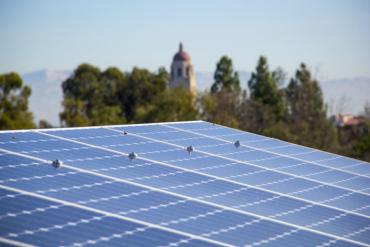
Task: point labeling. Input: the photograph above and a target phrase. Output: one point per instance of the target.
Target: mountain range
(347, 95)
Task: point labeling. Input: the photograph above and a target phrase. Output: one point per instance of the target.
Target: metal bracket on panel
(132, 156)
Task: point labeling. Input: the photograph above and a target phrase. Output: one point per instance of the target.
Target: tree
(43, 124)
(221, 107)
(14, 96)
(307, 111)
(90, 97)
(264, 87)
(141, 88)
(176, 104)
(225, 77)
(366, 112)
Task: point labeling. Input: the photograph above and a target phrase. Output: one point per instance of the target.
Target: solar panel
(231, 188)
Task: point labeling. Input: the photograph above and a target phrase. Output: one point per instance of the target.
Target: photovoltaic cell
(265, 192)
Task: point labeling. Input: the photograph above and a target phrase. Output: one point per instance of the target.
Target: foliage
(264, 87)
(295, 113)
(90, 97)
(43, 124)
(307, 111)
(361, 149)
(221, 107)
(225, 77)
(14, 96)
(170, 105)
(141, 88)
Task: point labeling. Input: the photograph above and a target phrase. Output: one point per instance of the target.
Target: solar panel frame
(187, 128)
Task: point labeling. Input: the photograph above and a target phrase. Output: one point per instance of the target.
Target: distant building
(182, 72)
(343, 120)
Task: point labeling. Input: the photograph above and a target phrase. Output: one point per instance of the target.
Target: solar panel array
(235, 188)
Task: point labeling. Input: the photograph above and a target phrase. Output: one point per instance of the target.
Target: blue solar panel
(265, 192)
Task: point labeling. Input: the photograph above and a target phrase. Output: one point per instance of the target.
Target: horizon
(331, 37)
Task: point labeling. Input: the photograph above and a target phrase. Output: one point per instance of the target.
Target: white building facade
(182, 72)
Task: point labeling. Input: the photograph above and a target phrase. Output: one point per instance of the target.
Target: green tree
(14, 96)
(264, 87)
(43, 124)
(225, 77)
(307, 111)
(221, 107)
(141, 88)
(90, 97)
(176, 104)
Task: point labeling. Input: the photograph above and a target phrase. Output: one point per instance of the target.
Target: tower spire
(180, 47)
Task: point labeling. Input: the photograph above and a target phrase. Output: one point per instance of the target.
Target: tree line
(292, 111)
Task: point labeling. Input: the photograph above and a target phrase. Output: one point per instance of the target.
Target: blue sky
(332, 37)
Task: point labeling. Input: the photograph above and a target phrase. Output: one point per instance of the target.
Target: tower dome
(182, 73)
(181, 55)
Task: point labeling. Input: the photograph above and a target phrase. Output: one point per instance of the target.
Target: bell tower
(182, 72)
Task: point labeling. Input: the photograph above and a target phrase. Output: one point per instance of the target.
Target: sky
(332, 37)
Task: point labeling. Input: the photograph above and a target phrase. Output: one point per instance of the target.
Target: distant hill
(347, 95)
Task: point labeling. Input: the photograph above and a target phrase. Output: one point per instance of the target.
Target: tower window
(188, 71)
(179, 72)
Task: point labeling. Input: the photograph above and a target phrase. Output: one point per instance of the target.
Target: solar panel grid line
(305, 162)
(297, 154)
(333, 241)
(36, 177)
(58, 227)
(277, 147)
(75, 187)
(268, 151)
(353, 177)
(94, 158)
(183, 159)
(19, 165)
(11, 242)
(353, 165)
(107, 238)
(46, 229)
(265, 241)
(290, 166)
(208, 213)
(98, 127)
(108, 214)
(243, 184)
(191, 199)
(231, 228)
(120, 167)
(209, 203)
(230, 192)
(107, 198)
(317, 173)
(39, 209)
(157, 162)
(213, 177)
(174, 244)
(54, 150)
(251, 164)
(28, 141)
(8, 196)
